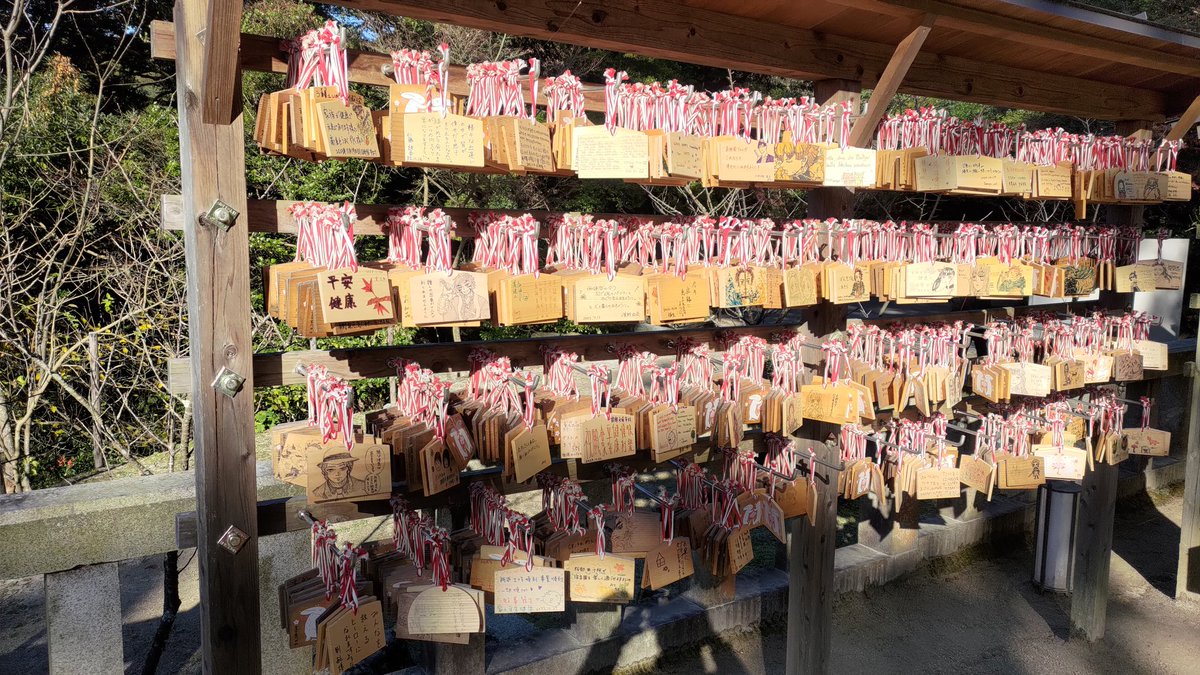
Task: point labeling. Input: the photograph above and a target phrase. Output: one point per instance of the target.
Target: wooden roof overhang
(1029, 54)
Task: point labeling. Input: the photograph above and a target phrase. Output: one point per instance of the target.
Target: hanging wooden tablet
(1168, 274)
(736, 287)
(598, 300)
(1052, 182)
(1062, 463)
(1134, 278)
(349, 637)
(1176, 186)
(1148, 441)
(667, 563)
(438, 468)
(976, 473)
(1015, 280)
(1154, 354)
(598, 152)
(846, 283)
(634, 534)
(799, 164)
(289, 451)
(938, 483)
(684, 158)
(337, 474)
(1018, 178)
(347, 130)
(742, 160)
(355, 295)
(595, 579)
(670, 299)
(800, 285)
(1020, 473)
(454, 609)
(672, 432)
(740, 550)
(1127, 366)
(528, 299)
(542, 589)
(849, 167)
(439, 298)
(403, 601)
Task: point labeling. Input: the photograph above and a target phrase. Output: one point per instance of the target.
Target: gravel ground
(982, 615)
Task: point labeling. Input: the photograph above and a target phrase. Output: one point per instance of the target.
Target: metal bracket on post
(228, 382)
(233, 540)
(220, 215)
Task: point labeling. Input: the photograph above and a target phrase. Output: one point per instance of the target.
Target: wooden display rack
(1046, 57)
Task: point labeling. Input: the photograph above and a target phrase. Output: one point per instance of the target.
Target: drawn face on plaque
(337, 468)
(458, 297)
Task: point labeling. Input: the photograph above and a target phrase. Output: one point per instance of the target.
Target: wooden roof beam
(981, 22)
(682, 33)
(1186, 121)
(889, 83)
(221, 91)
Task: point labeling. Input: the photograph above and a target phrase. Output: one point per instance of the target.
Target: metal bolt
(219, 215)
(223, 215)
(228, 382)
(233, 539)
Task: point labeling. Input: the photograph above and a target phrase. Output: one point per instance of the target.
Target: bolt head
(233, 540)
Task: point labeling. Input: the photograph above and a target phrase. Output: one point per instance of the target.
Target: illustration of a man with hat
(339, 483)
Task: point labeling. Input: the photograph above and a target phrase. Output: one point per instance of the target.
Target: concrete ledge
(63, 528)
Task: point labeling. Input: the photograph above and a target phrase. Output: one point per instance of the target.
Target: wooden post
(810, 548)
(218, 275)
(1097, 504)
(1187, 580)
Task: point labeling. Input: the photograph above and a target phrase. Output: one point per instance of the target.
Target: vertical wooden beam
(1187, 578)
(810, 548)
(889, 83)
(218, 274)
(221, 79)
(1098, 501)
(1185, 123)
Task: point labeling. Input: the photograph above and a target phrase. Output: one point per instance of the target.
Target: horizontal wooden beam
(683, 33)
(1040, 35)
(272, 216)
(278, 368)
(263, 54)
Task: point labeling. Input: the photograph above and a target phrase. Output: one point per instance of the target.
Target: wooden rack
(1039, 56)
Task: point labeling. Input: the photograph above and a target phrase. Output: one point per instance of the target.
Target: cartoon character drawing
(1079, 280)
(339, 483)
(1134, 284)
(310, 621)
(859, 288)
(1011, 281)
(763, 154)
(741, 289)
(1152, 191)
(459, 302)
(947, 275)
(802, 161)
(1124, 189)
